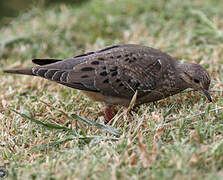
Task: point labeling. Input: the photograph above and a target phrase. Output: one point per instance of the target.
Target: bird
(114, 74)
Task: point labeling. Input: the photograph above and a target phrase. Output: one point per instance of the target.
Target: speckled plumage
(113, 74)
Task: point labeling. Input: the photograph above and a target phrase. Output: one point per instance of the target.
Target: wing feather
(114, 71)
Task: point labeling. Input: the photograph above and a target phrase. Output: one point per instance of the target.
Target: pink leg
(108, 113)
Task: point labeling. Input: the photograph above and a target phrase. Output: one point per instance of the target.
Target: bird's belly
(151, 97)
(107, 99)
(157, 95)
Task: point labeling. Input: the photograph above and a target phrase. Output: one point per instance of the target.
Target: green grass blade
(47, 124)
(108, 129)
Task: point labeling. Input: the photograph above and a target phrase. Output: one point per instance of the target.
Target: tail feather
(45, 61)
(26, 71)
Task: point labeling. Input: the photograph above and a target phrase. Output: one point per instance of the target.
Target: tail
(26, 71)
(45, 61)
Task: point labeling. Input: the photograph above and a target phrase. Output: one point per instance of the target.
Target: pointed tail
(26, 71)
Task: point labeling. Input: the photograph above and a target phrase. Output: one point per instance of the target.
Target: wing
(115, 71)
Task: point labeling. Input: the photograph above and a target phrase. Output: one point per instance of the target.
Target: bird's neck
(180, 72)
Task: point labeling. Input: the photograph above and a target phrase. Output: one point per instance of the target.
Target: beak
(207, 94)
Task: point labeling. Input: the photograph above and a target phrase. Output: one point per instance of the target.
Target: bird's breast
(107, 99)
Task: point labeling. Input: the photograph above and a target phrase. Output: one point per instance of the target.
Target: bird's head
(196, 77)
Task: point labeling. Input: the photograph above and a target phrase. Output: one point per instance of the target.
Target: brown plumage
(112, 75)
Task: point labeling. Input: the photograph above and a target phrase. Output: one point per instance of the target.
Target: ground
(52, 132)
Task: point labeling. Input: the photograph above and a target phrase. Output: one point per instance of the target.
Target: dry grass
(180, 137)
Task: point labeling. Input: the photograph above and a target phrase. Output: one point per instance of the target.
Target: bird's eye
(196, 81)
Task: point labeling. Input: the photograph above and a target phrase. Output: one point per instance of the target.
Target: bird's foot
(108, 114)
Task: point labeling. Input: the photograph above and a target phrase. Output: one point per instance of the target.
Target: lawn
(51, 132)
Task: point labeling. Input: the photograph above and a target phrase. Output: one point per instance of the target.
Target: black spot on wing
(106, 81)
(121, 84)
(114, 73)
(137, 85)
(101, 59)
(94, 62)
(114, 68)
(87, 69)
(130, 59)
(84, 76)
(104, 73)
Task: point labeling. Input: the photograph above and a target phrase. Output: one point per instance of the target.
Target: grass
(42, 133)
